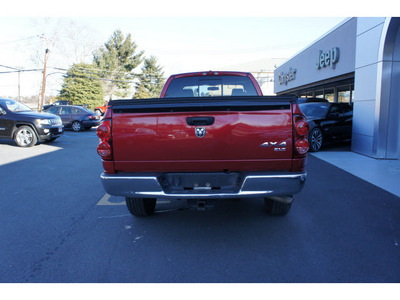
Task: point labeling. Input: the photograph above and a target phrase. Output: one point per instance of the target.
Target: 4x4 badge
(277, 147)
(200, 132)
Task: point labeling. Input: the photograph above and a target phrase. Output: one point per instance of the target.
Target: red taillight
(104, 133)
(302, 127)
(300, 133)
(104, 150)
(302, 147)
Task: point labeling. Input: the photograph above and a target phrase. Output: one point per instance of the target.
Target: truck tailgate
(215, 135)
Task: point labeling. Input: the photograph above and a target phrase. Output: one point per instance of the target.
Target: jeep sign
(329, 58)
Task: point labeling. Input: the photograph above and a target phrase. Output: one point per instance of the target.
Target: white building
(358, 62)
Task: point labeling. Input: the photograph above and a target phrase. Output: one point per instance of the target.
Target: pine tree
(117, 59)
(82, 85)
(142, 92)
(151, 80)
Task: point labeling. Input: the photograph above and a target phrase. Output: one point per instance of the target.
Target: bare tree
(77, 42)
(67, 41)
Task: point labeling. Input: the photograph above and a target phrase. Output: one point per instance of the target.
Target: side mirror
(2, 111)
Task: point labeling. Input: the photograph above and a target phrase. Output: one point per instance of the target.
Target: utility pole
(19, 79)
(44, 80)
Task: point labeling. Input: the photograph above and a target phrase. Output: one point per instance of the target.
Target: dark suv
(27, 127)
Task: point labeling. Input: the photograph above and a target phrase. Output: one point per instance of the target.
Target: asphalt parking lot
(58, 225)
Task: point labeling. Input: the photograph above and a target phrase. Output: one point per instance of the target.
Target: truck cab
(211, 84)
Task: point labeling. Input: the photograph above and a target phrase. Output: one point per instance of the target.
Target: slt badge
(200, 132)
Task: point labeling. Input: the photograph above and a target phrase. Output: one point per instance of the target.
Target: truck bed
(240, 134)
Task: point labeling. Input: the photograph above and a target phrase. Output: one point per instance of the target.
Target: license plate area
(198, 183)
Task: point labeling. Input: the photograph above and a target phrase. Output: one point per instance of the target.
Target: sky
(184, 35)
(181, 44)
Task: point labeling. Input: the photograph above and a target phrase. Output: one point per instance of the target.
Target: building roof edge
(318, 39)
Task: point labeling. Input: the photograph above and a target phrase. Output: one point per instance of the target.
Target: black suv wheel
(25, 136)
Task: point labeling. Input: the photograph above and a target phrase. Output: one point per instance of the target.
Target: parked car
(62, 102)
(59, 102)
(328, 122)
(27, 127)
(308, 100)
(76, 117)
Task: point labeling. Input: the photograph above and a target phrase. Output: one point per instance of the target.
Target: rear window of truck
(211, 86)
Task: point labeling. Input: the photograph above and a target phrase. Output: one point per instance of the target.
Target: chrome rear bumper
(252, 185)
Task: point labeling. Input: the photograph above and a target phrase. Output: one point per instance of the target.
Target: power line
(87, 70)
(102, 71)
(8, 72)
(16, 70)
(13, 68)
(22, 45)
(15, 41)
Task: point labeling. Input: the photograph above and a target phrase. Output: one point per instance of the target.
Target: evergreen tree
(117, 59)
(82, 85)
(151, 80)
(142, 92)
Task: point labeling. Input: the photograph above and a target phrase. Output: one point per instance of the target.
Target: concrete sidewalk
(382, 173)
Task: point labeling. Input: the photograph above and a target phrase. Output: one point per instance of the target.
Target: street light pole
(44, 80)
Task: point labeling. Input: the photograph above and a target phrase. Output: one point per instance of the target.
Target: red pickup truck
(210, 135)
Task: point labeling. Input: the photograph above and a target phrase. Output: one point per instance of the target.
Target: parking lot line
(104, 201)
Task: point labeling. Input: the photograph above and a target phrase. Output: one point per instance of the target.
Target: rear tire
(25, 136)
(76, 126)
(277, 208)
(141, 207)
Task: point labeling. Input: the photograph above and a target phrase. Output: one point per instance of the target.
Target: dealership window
(344, 94)
(352, 94)
(341, 93)
(319, 94)
(329, 94)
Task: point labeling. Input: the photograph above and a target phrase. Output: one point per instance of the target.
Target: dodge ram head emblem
(200, 132)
